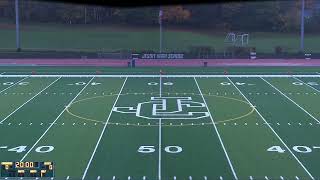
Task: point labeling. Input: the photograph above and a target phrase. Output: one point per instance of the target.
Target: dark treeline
(272, 16)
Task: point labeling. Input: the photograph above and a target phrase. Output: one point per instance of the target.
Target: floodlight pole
(17, 26)
(160, 28)
(302, 26)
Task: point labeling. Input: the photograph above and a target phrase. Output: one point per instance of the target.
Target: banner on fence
(162, 56)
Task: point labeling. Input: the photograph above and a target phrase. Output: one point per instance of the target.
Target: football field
(163, 127)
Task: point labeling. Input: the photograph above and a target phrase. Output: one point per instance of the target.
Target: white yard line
(291, 100)
(216, 130)
(14, 84)
(156, 75)
(102, 132)
(55, 120)
(160, 149)
(274, 132)
(306, 84)
(29, 100)
(160, 134)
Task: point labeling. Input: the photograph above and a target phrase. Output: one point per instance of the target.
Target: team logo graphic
(167, 108)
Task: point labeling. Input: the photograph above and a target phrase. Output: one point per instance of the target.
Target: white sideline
(291, 100)
(175, 76)
(102, 132)
(55, 120)
(14, 84)
(216, 129)
(306, 84)
(267, 123)
(29, 100)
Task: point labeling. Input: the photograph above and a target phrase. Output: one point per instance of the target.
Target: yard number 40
(168, 149)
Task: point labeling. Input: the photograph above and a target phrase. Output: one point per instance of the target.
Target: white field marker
(266, 178)
(14, 84)
(274, 132)
(174, 178)
(297, 178)
(28, 101)
(129, 177)
(291, 100)
(217, 132)
(55, 121)
(98, 178)
(205, 178)
(281, 177)
(221, 178)
(102, 132)
(113, 178)
(250, 177)
(144, 178)
(306, 84)
(68, 177)
(190, 177)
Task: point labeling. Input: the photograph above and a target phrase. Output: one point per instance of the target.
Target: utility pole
(302, 26)
(160, 28)
(17, 26)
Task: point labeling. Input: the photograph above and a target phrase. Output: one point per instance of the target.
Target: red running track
(161, 62)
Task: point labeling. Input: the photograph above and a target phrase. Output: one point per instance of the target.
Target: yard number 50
(168, 149)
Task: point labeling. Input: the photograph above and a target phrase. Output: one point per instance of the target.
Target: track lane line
(55, 120)
(267, 123)
(14, 84)
(28, 101)
(102, 132)
(291, 100)
(216, 130)
(306, 84)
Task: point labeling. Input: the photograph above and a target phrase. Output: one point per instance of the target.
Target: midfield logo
(167, 108)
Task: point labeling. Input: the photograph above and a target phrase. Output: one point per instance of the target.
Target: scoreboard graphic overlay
(27, 169)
